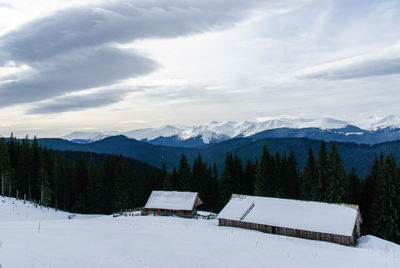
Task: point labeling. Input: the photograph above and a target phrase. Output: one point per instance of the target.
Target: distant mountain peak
(215, 131)
(379, 122)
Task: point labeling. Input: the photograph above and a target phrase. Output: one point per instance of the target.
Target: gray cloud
(78, 102)
(72, 49)
(73, 71)
(122, 22)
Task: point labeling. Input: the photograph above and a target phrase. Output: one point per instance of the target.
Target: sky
(102, 65)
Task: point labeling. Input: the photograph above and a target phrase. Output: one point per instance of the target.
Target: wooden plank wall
(167, 212)
(339, 239)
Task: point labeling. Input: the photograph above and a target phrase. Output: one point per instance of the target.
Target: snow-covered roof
(172, 200)
(302, 215)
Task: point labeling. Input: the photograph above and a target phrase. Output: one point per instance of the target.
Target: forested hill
(74, 181)
(352, 154)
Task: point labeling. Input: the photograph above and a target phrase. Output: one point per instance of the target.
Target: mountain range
(372, 130)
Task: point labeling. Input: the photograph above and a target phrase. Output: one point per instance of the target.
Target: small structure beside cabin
(337, 223)
(167, 203)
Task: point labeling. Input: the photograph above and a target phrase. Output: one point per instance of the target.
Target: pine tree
(214, 190)
(263, 184)
(23, 170)
(56, 178)
(184, 174)
(322, 168)
(227, 183)
(386, 223)
(5, 168)
(91, 187)
(175, 180)
(44, 186)
(35, 167)
(166, 179)
(309, 178)
(80, 185)
(249, 178)
(124, 186)
(337, 184)
(354, 187)
(292, 182)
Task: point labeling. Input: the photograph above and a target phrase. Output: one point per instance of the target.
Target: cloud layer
(78, 102)
(74, 49)
(384, 61)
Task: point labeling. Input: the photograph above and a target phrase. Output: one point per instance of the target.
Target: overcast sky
(124, 65)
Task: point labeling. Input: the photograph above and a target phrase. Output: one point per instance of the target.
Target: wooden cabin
(337, 223)
(167, 203)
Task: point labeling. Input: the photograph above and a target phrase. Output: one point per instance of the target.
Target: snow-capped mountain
(371, 130)
(378, 122)
(86, 137)
(153, 133)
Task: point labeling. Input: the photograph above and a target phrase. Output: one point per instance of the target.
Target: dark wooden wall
(168, 212)
(339, 239)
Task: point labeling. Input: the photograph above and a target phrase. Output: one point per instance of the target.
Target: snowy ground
(152, 241)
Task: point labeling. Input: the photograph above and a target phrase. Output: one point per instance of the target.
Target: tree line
(87, 183)
(73, 181)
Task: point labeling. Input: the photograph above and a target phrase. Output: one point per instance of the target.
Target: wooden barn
(337, 223)
(167, 203)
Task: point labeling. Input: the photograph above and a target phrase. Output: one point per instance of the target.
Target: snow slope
(153, 241)
(12, 209)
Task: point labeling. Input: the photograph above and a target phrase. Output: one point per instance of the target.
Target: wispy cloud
(385, 61)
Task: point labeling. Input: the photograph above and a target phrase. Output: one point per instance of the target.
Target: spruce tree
(80, 185)
(227, 183)
(23, 170)
(262, 185)
(44, 187)
(35, 167)
(309, 179)
(322, 168)
(249, 178)
(5, 168)
(292, 173)
(184, 174)
(175, 180)
(337, 184)
(354, 187)
(386, 222)
(368, 187)
(124, 186)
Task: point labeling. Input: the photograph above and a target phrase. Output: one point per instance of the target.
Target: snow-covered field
(46, 238)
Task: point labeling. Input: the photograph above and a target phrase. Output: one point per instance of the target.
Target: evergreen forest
(91, 183)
